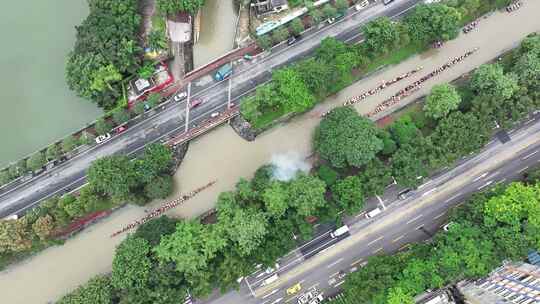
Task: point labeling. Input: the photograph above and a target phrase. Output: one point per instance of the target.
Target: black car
(291, 40)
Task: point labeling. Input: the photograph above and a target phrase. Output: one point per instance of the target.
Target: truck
(223, 72)
(340, 231)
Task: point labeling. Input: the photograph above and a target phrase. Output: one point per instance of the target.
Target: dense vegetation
(336, 64)
(169, 7)
(105, 52)
(112, 181)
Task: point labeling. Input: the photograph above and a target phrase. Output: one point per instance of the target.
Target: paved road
(413, 219)
(170, 120)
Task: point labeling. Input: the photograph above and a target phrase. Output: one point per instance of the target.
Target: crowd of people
(163, 208)
(471, 26)
(383, 85)
(514, 6)
(415, 86)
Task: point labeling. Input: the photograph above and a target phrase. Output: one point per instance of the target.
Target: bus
(223, 72)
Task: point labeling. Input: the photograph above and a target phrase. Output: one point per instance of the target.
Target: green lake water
(37, 106)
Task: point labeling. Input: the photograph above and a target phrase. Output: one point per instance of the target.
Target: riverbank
(230, 158)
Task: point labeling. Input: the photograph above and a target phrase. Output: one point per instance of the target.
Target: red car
(194, 103)
(121, 129)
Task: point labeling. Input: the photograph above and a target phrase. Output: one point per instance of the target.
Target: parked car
(361, 5)
(103, 138)
(195, 103)
(180, 96)
(447, 226)
(331, 20)
(291, 40)
(214, 115)
(405, 193)
(121, 129)
(272, 269)
(294, 289)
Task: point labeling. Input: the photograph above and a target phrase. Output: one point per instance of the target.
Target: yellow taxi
(294, 289)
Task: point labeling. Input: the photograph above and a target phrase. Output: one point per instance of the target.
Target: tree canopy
(170, 7)
(430, 22)
(442, 99)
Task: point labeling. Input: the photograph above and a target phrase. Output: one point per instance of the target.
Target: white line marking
(356, 262)
(520, 171)
(414, 219)
(339, 283)
(452, 197)
(438, 216)
(429, 191)
(333, 274)
(375, 240)
(360, 214)
(271, 293)
(529, 155)
(425, 184)
(334, 263)
(314, 285)
(418, 228)
(378, 250)
(485, 185)
(501, 181)
(398, 238)
(480, 177)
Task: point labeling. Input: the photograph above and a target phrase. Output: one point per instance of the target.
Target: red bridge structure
(204, 127)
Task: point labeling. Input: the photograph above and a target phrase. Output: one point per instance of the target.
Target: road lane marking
(529, 155)
(360, 214)
(277, 300)
(356, 262)
(269, 294)
(333, 274)
(501, 181)
(520, 171)
(480, 177)
(404, 247)
(314, 285)
(375, 240)
(418, 228)
(414, 219)
(334, 263)
(438, 216)
(452, 197)
(425, 184)
(398, 238)
(378, 250)
(339, 283)
(485, 185)
(429, 191)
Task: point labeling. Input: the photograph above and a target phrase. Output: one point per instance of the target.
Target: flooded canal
(221, 155)
(37, 106)
(218, 20)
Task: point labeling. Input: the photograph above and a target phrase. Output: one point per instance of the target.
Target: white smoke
(287, 165)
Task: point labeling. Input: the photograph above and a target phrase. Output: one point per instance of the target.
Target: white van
(373, 212)
(270, 280)
(340, 231)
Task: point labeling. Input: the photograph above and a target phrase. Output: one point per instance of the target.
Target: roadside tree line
(336, 64)
(112, 181)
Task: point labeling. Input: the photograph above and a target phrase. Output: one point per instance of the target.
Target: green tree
(389, 145)
(70, 204)
(342, 5)
(443, 99)
(131, 264)
(490, 80)
(86, 138)
(113, 175)
(190, 247)
(102, 126)
(139, 108)
(43, 227)
(120, 116)
(5, 177)
(276, 199)
(306, 194)
(329, 11)
(264, 42)
(432, 22)
(316, 16)
(14, 236)
(171, 7)
(348, 194)
(527, 68)
(156, 160)
(96, 291)
(280, 34)
(89, 200)
(398, 296)
(328, 175)
(407, 167)
(153, 100)
(292, 90)
(103, 77)
(318, 75)
(296, 26)
(157, 40)
(146, 70)
(153, 230)
(36, 161)
(404, 131)
(69, 143)
(380, 35)
(159, 188)
(375, 177)
(346, 139)
(53, 152)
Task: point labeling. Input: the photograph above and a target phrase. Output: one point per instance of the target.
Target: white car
(180, 96)
(361, 5)
(102, 138)
(214, 115)
(271, 269)
(447, 226)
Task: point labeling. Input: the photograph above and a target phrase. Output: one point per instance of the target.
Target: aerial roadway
(324, 261)
(170, 119)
